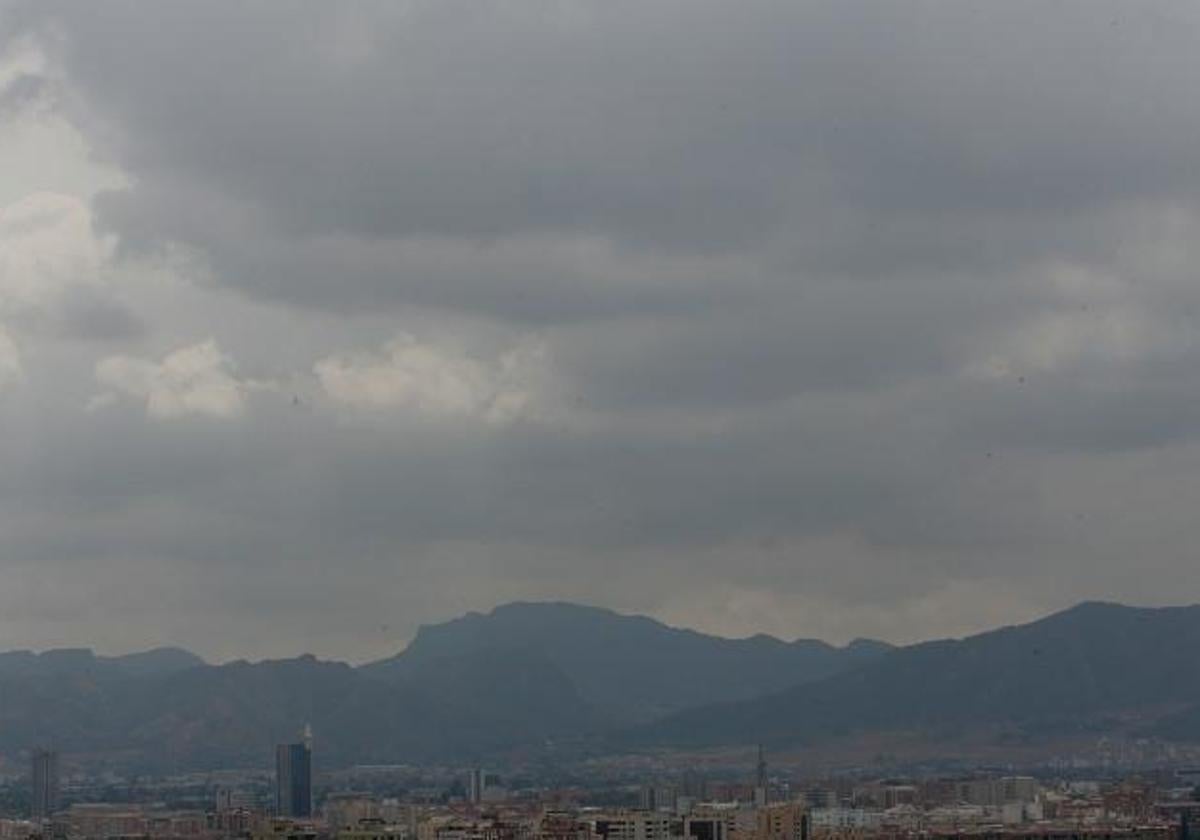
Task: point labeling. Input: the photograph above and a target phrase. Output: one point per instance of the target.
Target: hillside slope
(1094, 668)
(627, 667)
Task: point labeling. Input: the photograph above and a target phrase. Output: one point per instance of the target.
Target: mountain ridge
(157, 660)
(1076, 670)
(479, 686)
(631, 667)
(510, 606)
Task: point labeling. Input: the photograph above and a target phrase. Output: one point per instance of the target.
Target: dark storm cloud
(857, 306)
(695, 127)
(834, 162)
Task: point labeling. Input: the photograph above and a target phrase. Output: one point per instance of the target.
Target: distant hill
(69, 696)
(154, 662)
(628, 668)
(568, 680)
(519, 692)
(159, 661)
(1096, 668)
(523, 675)
(232, 715)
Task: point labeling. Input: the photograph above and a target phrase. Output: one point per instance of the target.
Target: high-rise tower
(476, 781)
(293, 777)
(44, 800)
(760, 779)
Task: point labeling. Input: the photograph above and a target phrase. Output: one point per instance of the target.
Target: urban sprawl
(405, 803)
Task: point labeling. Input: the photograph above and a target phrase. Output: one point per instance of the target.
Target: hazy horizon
(400, 645)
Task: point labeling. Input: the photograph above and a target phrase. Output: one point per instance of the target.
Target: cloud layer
(823, 318)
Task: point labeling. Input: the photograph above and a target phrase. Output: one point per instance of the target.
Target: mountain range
(1097, 668)
(628, 668)
(560, 679)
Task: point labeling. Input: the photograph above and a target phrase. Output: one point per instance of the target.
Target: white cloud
(434, 381)
(199, 379)
(48, 251)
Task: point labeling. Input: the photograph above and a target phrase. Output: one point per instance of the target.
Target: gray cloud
(24, 92)
(850, 318)
(90, 317)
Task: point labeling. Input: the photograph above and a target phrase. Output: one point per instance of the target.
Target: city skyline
(721, 804)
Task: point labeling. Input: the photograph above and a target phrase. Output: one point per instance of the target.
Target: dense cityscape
(299, 802)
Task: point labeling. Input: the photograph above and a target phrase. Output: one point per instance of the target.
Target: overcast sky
(322, 321)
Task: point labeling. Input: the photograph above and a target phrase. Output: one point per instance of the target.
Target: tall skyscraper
(648, 800)
(293, 777)
(761, 791)
(45, 783)
(476, 781)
